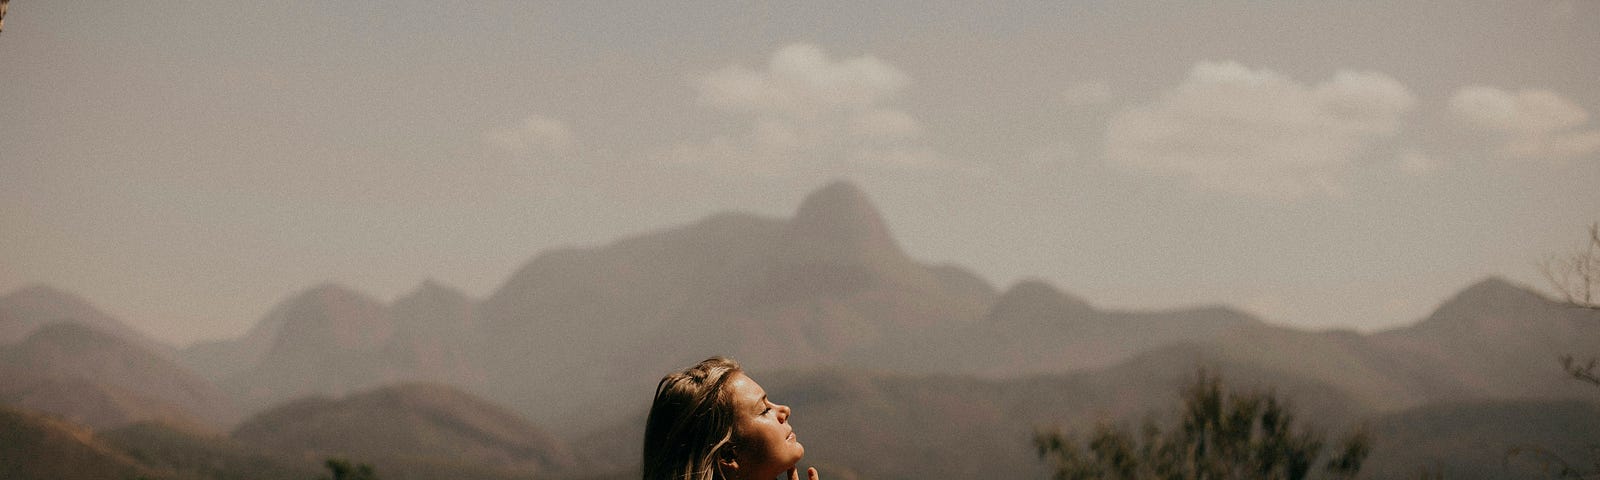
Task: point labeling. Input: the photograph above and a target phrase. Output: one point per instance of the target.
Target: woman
(712, 422)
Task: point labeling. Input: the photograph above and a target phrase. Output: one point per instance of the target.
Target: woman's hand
(794, 473)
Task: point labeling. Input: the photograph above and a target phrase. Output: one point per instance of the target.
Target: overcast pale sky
(186, 165)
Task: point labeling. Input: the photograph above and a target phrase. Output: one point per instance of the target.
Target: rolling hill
(98, 378)
(414, 427)
(1503, 439)
(39, 447)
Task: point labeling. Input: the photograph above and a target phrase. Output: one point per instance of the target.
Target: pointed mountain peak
(73, 336)
(45, 299)
(429, 283)
(321, 296)
(327, 298)
(839, 220)
(840, 204)
(330, 314)
(330, 291)
(313, 305)
(42, 291)
(1038, 290)
(26, 309)
(1493, 290)
(838, 189)
(1497, 286)
(434, 310)
(1035, 302)
(1489, 299)
(432, 291)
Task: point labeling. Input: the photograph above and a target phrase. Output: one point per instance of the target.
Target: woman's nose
(783, 413)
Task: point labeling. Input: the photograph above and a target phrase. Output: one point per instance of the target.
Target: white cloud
(1528, 123)
(535, 133)
(800, 80)
(809, 115)
(1256, 132)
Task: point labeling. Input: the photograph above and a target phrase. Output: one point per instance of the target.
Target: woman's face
(764, 443)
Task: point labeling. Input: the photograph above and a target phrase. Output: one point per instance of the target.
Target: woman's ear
(728, 463)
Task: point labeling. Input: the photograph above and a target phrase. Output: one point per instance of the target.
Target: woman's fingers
(794, 474)
(811, 474)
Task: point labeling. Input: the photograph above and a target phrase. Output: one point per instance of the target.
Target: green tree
(1234, 435)
(340, 469)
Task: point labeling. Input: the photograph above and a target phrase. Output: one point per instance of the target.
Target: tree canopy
(1220, 435)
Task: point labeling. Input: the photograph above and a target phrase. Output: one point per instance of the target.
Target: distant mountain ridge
(931, 365)
(331, 339)
(830, 286)
(1499, 339)
(1035, 328)
(27, 309)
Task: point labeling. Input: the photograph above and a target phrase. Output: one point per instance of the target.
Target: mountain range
(104, 381)
(896, 368)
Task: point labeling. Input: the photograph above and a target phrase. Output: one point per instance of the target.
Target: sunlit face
(764, 443)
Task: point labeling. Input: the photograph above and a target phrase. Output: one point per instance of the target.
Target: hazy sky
(186, 165)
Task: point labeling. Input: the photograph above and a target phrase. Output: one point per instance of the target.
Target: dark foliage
(1577, 278)
(342, 470)
(1219, 436)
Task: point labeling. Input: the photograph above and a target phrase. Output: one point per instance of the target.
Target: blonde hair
(690, 422)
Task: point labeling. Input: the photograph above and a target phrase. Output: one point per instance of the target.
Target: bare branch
(1585, 372)
(1577, 277)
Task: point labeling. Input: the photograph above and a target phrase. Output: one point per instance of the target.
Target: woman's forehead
(745, 390)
